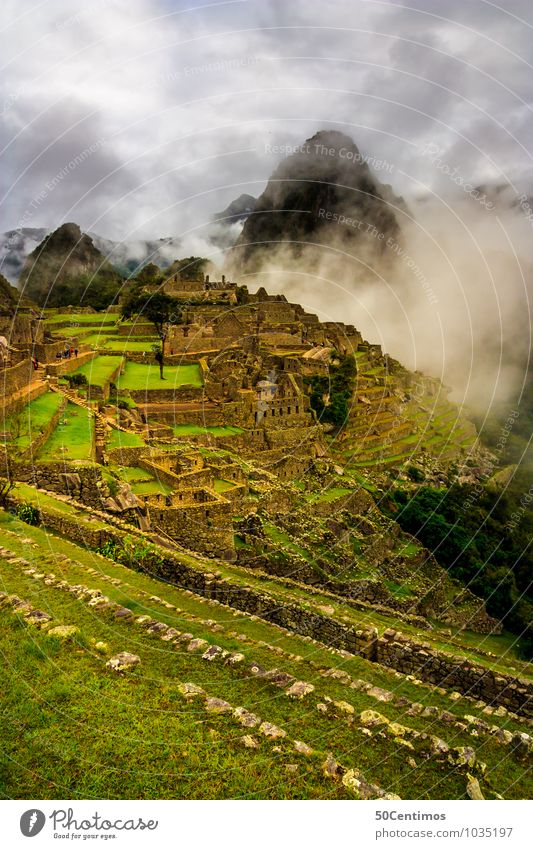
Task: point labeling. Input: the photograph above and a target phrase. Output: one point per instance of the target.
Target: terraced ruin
(201, 595)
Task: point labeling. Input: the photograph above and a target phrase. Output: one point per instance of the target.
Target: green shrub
(76, 380)
(28, 513)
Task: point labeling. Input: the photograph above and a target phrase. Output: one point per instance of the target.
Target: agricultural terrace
(100, 370)
(141, 376)
(72, 439)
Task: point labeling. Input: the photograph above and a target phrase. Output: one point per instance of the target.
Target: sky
(140, 119)
(143, 118)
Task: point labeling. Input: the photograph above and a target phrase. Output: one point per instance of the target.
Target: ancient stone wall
(67, 366)
(15, 377)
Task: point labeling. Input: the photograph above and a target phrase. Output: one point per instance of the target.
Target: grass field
(215, 430)
(31, 421)
(124, 439)
(121, 343)
(73, 437)
(91, 319)
(99, 371)
(141, 376)
(79, 730)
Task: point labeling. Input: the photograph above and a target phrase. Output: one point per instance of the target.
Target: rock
(397, 729)
(249, 741)
(380, 695)
(464, 756)
(63, 632)
(191, 691)
(234, 658)
(350, 779)
(249, 720)
(212, 652)
(101, 647)
(503, 736)
(330, 767)
(345, 707)
(299, 689)
(302, 748)
(217, 706)
(412, 763)
(371, 718)
(256, 670)
(38, 617)
(473, 789)
(197, 645)
(170, 634)
(279, 678)
(438, 746)
(123, 661)
(292, 768)
(270, 730)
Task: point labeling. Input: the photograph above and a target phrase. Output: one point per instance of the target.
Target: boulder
(123, 661)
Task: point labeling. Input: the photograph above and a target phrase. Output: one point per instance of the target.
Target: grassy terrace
(120, 343)
(25, 426)
(77, 728)
(215, 430)
(124, 439)
(89, 319)
(146, 376)
(73, 437)
(99, 371)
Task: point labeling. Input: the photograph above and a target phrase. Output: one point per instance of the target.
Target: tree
(160, 309)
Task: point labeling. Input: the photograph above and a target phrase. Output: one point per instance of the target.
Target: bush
(133, 553)
(28, 513)
(76, 380)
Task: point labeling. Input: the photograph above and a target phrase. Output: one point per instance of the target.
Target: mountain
(238, 210)
(66, 268)
(15, 245)
(129, 256)
(126, 256)
(323, 194)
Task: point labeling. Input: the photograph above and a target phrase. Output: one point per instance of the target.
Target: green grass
(78, 730)
(146, 376)
(215, 430)
(222, 485)
(121, 343)
(72, 439)
(124, 439)
(32, 420)
(99, 371)
(150, 487)
(96, 319)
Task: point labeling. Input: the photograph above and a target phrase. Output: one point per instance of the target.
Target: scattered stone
(330, 767)
(191, 691)
(212, 652)
(270, 730)
(235, 658)
(380, 695)
(38, 617)
(299, 689)
(63, 632)
(302, 748)
(123, 661)
(292, 768)
(249, 741)
(345, 707)
(249, 720)
(279, 678)
(101, 647)
(371, 718)
(465, 756)
(196, 645)
(218, 706)
(473, 789)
